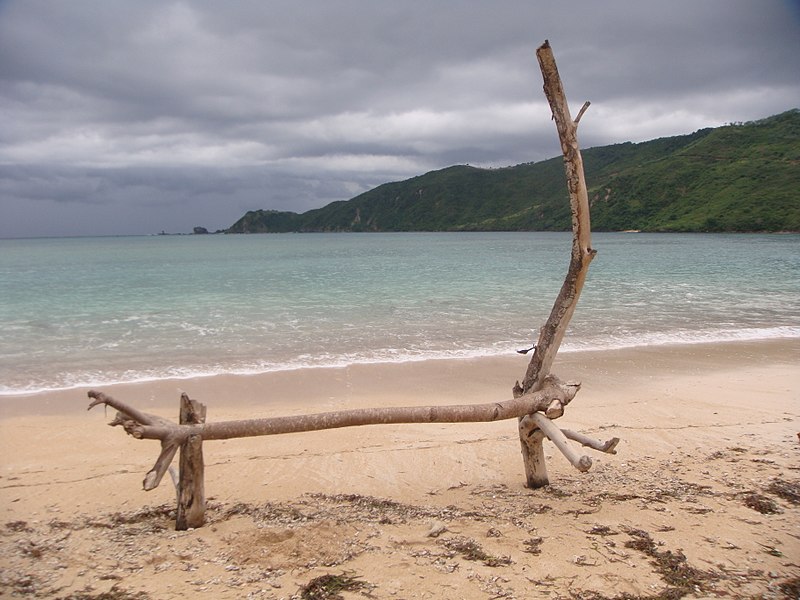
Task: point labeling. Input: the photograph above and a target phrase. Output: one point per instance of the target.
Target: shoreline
(708, 433)
(658, 341)
(503, 372)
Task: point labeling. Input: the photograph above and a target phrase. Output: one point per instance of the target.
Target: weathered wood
(191, 485)
(171, 434)
(169, 447)
(609, 446)
(533, 454)
(531, 431)
(174, 436)
(128, 412)
(552, 334)
(554, 434)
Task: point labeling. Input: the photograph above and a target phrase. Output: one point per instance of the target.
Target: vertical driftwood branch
(191, 487)
(551, 335)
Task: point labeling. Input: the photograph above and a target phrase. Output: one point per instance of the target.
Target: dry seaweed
(681, 578)
(18, 526)
(534, 545)
(114, 593)
(787, 490)
(602, 530)
(762, 504)
(790, 588)
(471, 550)
(592, 595)
(327, 587)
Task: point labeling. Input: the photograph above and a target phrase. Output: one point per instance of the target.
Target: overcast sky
(137, 116)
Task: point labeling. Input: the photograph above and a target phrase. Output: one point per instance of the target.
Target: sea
(92, 311)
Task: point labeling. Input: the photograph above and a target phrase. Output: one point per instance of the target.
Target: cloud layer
(135, 117)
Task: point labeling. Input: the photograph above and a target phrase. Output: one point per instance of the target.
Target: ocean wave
(109, 376)
(685, 337)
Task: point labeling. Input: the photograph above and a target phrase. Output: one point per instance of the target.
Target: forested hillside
(740, 177)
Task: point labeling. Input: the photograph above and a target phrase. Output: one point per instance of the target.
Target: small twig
(581, 111)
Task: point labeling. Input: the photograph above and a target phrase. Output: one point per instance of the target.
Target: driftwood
(539, 399)
(554, 394)
(551, 335)
(191, 483)
(145, 426)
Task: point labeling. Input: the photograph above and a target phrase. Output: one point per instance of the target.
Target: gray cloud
(124, 117)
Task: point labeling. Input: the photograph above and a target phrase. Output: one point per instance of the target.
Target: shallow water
(89, 311)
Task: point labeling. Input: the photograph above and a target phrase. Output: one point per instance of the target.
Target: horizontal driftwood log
(553, 396)
(550, 400)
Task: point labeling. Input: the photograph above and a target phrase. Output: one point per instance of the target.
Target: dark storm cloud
(133, 117)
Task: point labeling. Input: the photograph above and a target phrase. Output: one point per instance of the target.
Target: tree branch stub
(191, 482)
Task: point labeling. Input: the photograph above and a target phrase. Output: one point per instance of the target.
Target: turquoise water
(89, 311)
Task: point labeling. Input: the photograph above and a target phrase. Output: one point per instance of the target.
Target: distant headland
(741, 177)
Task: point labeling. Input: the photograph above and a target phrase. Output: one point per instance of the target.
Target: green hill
(740, 177)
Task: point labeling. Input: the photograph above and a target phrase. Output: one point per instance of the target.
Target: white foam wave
(384, 356)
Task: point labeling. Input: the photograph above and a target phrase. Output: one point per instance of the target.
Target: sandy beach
(701, 500)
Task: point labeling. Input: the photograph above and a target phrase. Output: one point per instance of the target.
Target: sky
(122, 117)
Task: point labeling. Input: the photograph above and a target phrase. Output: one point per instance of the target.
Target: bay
(94, 311)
